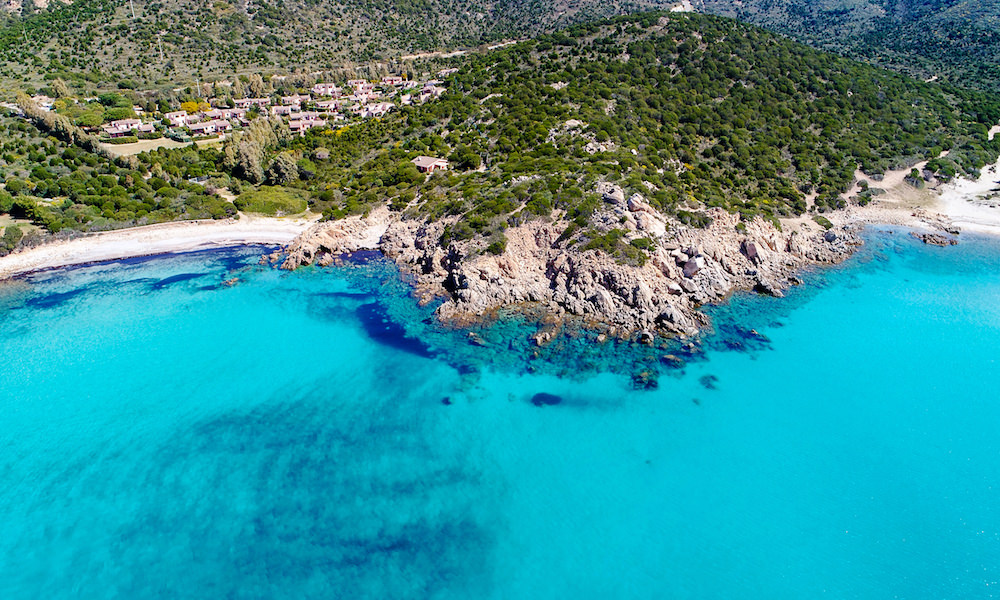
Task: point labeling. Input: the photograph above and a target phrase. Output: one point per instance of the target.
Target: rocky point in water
(687, 267)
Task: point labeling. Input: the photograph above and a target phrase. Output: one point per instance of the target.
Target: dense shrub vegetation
(956, 41)
(690, 111)
(59, 185)
(100, 42)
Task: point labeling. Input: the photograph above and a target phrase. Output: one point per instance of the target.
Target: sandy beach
(163, 238)
(969, 204)
(972, 205)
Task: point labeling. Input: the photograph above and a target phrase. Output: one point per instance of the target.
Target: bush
(128, 139)
(118, 113)
(11, 236)
(6, 202)
(823, 222)
(498, 246)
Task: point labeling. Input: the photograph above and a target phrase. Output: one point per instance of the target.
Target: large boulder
(694, 265)
(649, 224)
(611, 192)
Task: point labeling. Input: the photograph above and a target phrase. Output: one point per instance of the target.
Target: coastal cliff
(681, 269)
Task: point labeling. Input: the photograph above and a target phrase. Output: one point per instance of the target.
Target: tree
(113, 99)
(115, 114)
(249, 161)
(283, 169)
(190, 107)
(60, 88)
(239, 88)
(464, 158)
(11, 236)
(256, 86)
(90, 119)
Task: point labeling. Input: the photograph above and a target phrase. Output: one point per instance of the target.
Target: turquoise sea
(315, 435)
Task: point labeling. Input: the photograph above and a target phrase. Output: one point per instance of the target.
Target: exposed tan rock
(333, 238)
(688, 267)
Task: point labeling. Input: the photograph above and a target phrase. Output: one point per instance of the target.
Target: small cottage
(429, 164)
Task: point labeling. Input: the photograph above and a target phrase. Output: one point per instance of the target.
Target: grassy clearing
(273, 201)
(141, 146)
(24, 224)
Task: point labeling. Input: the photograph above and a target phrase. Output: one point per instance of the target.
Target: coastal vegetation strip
(688, 113)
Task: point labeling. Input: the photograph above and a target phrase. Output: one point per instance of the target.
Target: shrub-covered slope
(691, 111)
(171, 40)
(955, 40)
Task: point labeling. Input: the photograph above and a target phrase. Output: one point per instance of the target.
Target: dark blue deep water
(314, 435)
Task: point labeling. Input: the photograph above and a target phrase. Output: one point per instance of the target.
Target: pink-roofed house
(327, 89)
(251, 102)
(429, 164)
(378, 110)
(206, 128)
(210, 127)
(300, 126)
(233, 113)
(123, 127)
(296, 99)
(176, 118)
(430, 91)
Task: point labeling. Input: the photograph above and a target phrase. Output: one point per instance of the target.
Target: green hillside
(956, 41)
(175, 41)
(690, 111)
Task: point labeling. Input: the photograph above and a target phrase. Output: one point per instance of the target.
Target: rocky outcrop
(686, 267)
(934, 239)
(322, 242)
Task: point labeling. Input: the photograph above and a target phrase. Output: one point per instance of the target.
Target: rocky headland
(538, 271)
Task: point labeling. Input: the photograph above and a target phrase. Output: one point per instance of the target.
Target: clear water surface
(310, 435)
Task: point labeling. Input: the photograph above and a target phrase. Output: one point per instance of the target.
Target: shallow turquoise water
(165, 436)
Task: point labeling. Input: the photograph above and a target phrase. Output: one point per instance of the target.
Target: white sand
(154, 239)
(962, 201)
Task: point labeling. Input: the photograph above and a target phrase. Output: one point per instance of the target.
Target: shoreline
(688, 267)
(691, 267)
(148, 240)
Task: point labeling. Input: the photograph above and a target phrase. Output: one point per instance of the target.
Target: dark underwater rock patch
(709, 382)
(736, 338)
(55, 299)
(645, 380)
(380, 328)
(168, 281)
(672, 361)
(544, 399)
